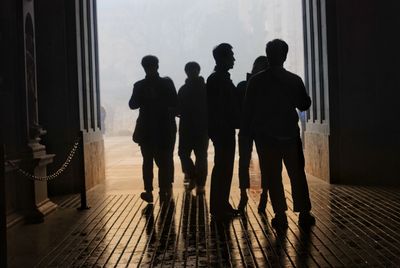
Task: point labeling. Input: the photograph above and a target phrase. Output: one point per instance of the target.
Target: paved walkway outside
(356, 227)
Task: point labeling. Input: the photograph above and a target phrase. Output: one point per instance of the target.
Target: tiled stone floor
(356, 227)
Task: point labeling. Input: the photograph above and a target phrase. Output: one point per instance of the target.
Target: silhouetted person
(192, 103)
(246, 142)
(270, 113)
(155, 129)
(222, 121)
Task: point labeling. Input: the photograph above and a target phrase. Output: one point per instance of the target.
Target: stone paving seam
(266, 226)
(92, 213)
(246, 239)
(179, 230)
(366, 247)
(112, 218)
(321, 221)
(113, 248)
(150, 234)
(293, 217)
(158, 243)
(389, 246)
(100, 242)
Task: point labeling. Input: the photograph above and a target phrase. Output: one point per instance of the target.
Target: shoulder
(258, 77)
(139, 84)
(201, 80)
(292, 77)
(212, 77)
(167, 80)
(182, 90)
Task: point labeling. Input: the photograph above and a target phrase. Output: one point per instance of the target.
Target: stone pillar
(3, 217)
(352, 134)
(317, 129)
(36, 203)
(89, 92)
(3, 214)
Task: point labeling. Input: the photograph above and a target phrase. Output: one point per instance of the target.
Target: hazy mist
(178, 31)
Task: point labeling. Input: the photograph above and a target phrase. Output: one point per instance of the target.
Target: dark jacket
(192, 107)
(156, 99)
(222, 105)
(241, 93)
(271, 100)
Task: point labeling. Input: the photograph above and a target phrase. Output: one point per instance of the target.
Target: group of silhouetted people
(264, 108)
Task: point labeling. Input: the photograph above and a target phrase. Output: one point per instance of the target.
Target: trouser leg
(293, 158)
(221, 176)
(270, 158)
(165, 162)
(201, 166)
(147, 166)
(184, 152)
(245, 150)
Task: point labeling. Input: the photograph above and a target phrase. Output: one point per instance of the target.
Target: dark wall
(366, 129)
(13, 96)
(3, 213)
(57, 88)
(13, 87)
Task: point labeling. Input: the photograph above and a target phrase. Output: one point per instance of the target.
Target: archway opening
(177, 32)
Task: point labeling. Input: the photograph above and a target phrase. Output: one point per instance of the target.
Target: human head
(277, 50)
(223, 56)
(192, 69)
(260, 64)
(150, 64)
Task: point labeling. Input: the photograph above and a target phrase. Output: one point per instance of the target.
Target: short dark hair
(222, 51)
(192, 66)
(277, 51)
(149, 61)
(260, 63)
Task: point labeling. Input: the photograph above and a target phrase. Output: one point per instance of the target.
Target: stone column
(317, 134)
(3, 221)
(36, 204)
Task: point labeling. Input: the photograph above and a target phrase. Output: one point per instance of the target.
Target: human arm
(172, 98)
(135, 100)
(302, 100)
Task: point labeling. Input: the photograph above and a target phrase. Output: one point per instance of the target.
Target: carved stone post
(36, 204)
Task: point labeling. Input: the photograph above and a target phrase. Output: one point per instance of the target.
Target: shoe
(192, 184)
(147, 196)
(225, 216)
(220, 218)
(280, 221)
(186, 178)
(167, 191)
(243, 203)
(263, 203)
(306, 219)
(231, 212)
(147, 210)
(200, 190)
